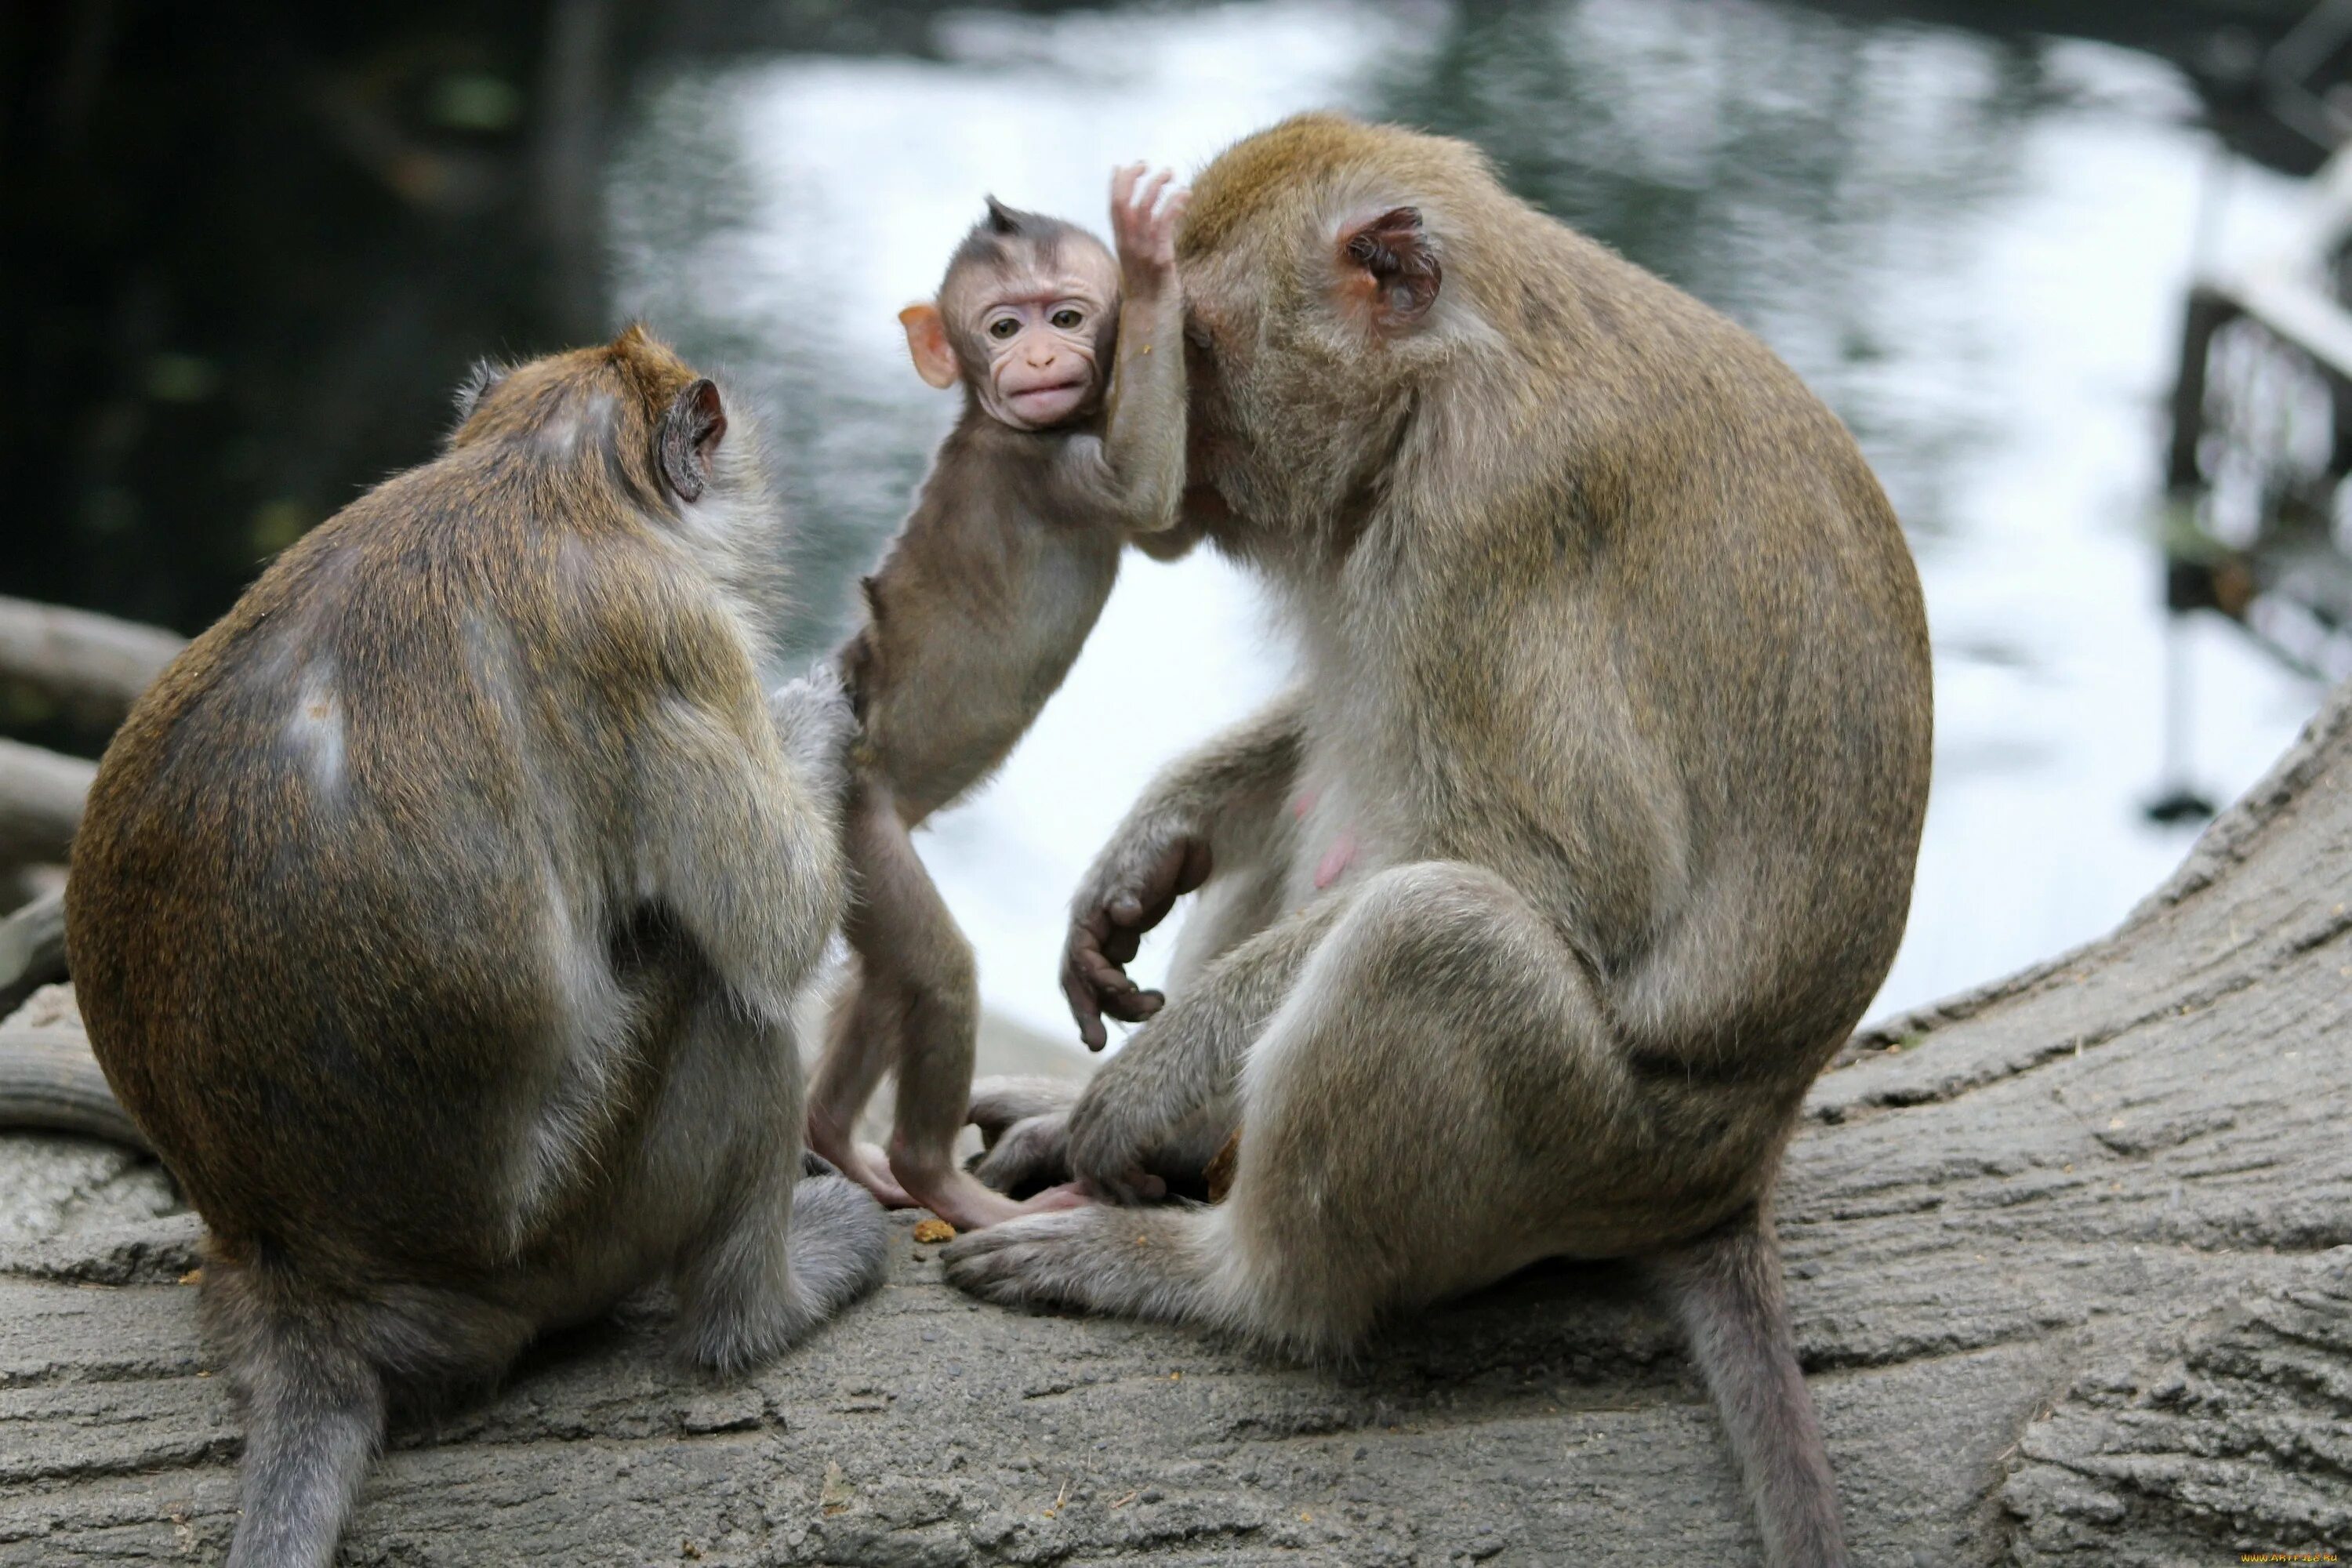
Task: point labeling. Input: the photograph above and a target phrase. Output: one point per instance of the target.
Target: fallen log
(93, 666)
(32, 950)
(49, 1080)
(40, 802)
(2070, 1259)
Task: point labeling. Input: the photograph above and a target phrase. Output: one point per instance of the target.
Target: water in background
(1976, 250)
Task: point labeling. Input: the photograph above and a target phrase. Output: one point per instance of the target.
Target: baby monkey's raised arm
(1071, 441)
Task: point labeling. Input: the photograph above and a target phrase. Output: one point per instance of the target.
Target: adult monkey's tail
(314, 1404)
(314, 1415)
(1725, 1289)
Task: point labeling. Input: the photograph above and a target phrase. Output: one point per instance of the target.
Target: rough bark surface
(2071, 1266)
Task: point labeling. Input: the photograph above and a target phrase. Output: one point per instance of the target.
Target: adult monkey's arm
(1161, 851)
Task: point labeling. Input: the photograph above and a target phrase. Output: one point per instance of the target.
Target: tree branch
(40, 802)
(95, 666)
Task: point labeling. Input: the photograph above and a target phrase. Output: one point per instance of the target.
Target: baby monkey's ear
(927, 341)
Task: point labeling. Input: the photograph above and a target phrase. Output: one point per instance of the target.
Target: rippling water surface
(1975, 250)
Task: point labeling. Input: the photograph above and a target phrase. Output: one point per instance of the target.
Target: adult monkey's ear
(691, 430)
(482, 378)
(1388, 264)
(927, 341)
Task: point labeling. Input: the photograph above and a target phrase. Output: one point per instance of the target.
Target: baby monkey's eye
(1066, 319)
(1003, 327)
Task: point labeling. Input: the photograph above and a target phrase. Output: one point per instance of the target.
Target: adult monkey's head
(1332, 274)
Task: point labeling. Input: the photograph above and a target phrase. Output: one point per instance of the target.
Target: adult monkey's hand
(1132, 886)
(1160, 852)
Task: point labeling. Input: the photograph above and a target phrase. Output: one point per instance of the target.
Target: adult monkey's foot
(1143, 1263)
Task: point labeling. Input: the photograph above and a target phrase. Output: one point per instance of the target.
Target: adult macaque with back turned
(1584, 839)
(438, 916)
(974, 618)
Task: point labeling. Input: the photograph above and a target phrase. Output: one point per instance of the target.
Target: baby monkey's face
(1024, 319)
(1039, 330)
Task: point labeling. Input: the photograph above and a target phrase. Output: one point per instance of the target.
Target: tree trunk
(2070, 1264)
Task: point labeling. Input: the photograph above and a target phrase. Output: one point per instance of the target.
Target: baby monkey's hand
(1143, 219)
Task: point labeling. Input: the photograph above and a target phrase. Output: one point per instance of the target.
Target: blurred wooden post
(2208, 311)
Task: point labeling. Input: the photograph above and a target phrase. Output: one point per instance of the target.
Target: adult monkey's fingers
(1096, 988)
(1103, 940)
(1134, 1005)
(1100, 970)
(1183, 866)
(1089, 978)
(1118, 945)
(1085, 1011)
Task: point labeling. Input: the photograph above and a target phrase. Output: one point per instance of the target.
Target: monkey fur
(1586, 835)
(437, 916)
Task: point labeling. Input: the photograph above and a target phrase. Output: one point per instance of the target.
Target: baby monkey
(977, 612)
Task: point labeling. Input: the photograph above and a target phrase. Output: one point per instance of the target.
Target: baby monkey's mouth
(1041, 408)
(1053, 390)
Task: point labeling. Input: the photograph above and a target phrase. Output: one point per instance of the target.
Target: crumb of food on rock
(934, 1230)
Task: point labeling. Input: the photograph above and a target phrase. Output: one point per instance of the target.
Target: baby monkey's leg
(861, 1042)
(917, 1009)
(862, 1035)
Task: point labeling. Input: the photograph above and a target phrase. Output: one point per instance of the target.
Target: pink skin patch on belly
(1335, 858)
(1304, 803)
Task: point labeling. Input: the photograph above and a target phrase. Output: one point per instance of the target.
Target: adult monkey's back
(439, 914)
(1607, 765)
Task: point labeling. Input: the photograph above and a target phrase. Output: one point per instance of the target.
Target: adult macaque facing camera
(1071, 442)
(1585, 837)
(438, 915)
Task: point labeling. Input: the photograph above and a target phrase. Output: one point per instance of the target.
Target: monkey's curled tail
(1725, 1289)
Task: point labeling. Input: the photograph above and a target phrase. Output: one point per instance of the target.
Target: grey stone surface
(2070, 1266)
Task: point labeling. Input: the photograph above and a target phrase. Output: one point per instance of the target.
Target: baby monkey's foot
(864, 1163)
(967, 1202)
